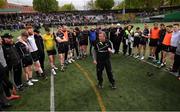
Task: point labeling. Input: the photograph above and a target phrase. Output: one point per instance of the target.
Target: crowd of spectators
(18, 21)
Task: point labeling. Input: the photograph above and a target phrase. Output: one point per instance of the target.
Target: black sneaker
(100, 86)
(38, 75)
(6, 105)
(25, 84)
(113, 86)
(66, 63)
(20, 88)
(43, 76)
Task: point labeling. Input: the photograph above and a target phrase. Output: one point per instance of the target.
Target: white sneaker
(55, 68)
(69, 61)
(72, 60)
(163, 64)
(142, 58)
(78, 58)
(53, 71)
(137, 56)
(153, 58)
(29, 83)
(34, 80)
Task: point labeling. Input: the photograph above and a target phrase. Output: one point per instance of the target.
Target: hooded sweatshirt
(178, 47)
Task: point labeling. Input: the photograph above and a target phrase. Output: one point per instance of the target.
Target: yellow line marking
(93, 85)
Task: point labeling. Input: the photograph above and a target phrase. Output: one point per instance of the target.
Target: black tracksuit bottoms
(100, 67)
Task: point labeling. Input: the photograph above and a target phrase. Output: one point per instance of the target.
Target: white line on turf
(175, 74)
(52, 107)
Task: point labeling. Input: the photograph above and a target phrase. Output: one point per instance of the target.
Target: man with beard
(13, 66)
(34, 53)
(3, 101)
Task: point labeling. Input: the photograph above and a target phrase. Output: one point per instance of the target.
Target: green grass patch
(136, 90)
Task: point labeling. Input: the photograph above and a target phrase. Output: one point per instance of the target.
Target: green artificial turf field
(136, 89)
(75, 89)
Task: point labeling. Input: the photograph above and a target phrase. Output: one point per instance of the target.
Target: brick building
(16, 8)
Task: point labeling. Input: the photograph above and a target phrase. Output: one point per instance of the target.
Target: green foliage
(174, 2)
(2, 3)
(91, 5)
(119, 6)
(133, 4)
(67, 7)
(45, 5)
(104, 4)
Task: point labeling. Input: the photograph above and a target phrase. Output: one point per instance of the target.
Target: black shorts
(72, 46)
(165, 48)
(136, 42)
(35, 56)
(27, 61)
(173, 49)
(63, 47)
(143, 41)
(93, 43)
(51, 52)
(83, 42)
(153, 42)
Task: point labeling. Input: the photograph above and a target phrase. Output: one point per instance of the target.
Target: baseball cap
(7, 35)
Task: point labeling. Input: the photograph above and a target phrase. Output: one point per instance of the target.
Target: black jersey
(85, 35)
(22, 49)
(101, 49)
(11, 55)
(146, 32)
(72, 38)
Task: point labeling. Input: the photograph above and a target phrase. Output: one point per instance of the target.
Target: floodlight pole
(124, 9)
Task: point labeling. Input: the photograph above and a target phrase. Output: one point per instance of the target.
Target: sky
(79, 4)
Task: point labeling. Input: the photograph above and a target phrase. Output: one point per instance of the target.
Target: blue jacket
(92, 35)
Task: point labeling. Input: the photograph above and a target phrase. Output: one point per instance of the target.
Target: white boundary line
(174, 74)
(52, 107)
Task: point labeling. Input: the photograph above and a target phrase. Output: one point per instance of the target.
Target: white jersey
(32, 43)
(175, 38)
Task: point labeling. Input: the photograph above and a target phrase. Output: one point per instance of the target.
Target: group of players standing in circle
(72, 44)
